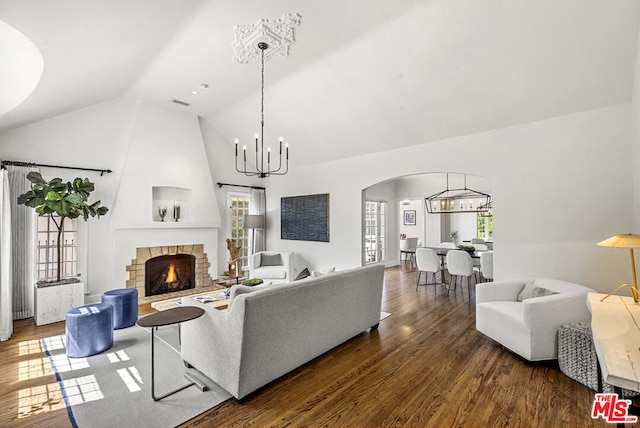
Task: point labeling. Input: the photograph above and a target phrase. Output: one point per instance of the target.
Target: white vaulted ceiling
(363, 75)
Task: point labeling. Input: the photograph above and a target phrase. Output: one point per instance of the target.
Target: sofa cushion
(531, 290)
(317, 273)
(270, 260)
(270, 272)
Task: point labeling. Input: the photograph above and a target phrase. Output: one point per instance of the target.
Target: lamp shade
(628, 240)
(253, 221)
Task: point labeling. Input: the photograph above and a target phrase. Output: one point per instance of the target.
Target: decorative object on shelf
(234, 270)
(461, 200)
(176, 211)
(629, 241)
(62, 199)
(262, 171)
(253, 222)
(409, 217)
(162, 212)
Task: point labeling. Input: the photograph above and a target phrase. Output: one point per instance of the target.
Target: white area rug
(113, 389)
(384, 315)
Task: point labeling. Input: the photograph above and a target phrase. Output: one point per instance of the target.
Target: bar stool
(89, 330)
(125, 306)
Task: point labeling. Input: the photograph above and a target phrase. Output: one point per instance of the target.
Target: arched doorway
(401, 200)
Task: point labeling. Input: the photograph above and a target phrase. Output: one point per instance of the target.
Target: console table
(615, 324)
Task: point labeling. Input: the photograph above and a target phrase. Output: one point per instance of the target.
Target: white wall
(411, 231)
(145, 146)
(635, 132)
(544, 178)
(465, 225)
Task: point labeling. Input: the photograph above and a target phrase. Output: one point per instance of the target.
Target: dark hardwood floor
(426, 365)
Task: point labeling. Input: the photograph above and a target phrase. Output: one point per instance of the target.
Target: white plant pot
(52, 303)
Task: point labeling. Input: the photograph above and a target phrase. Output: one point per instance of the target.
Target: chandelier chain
(262, 115)
(260, 170)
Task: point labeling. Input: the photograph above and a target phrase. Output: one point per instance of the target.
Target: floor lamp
(253, 222)
(629, 241)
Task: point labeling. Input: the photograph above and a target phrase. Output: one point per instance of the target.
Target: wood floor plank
(424, 366)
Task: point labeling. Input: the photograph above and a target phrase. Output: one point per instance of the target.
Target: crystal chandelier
(261, 170)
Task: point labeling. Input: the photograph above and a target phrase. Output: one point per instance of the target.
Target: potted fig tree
(60, 201)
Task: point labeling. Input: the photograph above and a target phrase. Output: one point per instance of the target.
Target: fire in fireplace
(169, 273)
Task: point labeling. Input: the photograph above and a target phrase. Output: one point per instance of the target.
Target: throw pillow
(530, 291)
(304, 273)
(317, 273)
(270, 260)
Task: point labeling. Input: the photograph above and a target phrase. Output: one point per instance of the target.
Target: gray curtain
(257, 205)
(6, 314)
(23, 229)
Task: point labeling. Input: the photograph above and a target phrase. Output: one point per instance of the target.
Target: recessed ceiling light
(194, 92)
(204, 86)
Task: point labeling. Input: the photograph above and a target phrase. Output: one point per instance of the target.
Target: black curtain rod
(241, 185)
(20, 163)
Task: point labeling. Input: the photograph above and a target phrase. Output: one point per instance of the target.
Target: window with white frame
(46, 248)
(238, 206)
(374, 234)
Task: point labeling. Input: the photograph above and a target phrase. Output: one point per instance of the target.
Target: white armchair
(529, 327)
(272, 266)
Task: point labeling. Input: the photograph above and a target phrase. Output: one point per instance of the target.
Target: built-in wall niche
(172, 203)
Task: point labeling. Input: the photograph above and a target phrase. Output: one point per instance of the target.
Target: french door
(374, 231)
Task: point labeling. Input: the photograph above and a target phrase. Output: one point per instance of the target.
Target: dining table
(442, 252)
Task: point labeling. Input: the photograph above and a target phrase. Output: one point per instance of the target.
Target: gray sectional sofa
(272, 330)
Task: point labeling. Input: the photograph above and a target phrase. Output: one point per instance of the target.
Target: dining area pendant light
(458, 200)
(261, 170)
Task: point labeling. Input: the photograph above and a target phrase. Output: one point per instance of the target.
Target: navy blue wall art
(305, 218)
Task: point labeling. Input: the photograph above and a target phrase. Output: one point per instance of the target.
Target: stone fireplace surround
(202, 278)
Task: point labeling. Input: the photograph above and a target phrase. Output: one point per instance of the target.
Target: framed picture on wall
(409, 217)
(305, 218)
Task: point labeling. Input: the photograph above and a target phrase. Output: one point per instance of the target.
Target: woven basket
(577, 357)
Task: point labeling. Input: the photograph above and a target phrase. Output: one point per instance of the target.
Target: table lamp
(629, 241)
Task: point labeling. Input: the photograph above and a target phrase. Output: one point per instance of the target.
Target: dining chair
(476, 261)
(486, 265)
(447, 245)
(408, 248)
(460, 264)
(428, 261)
